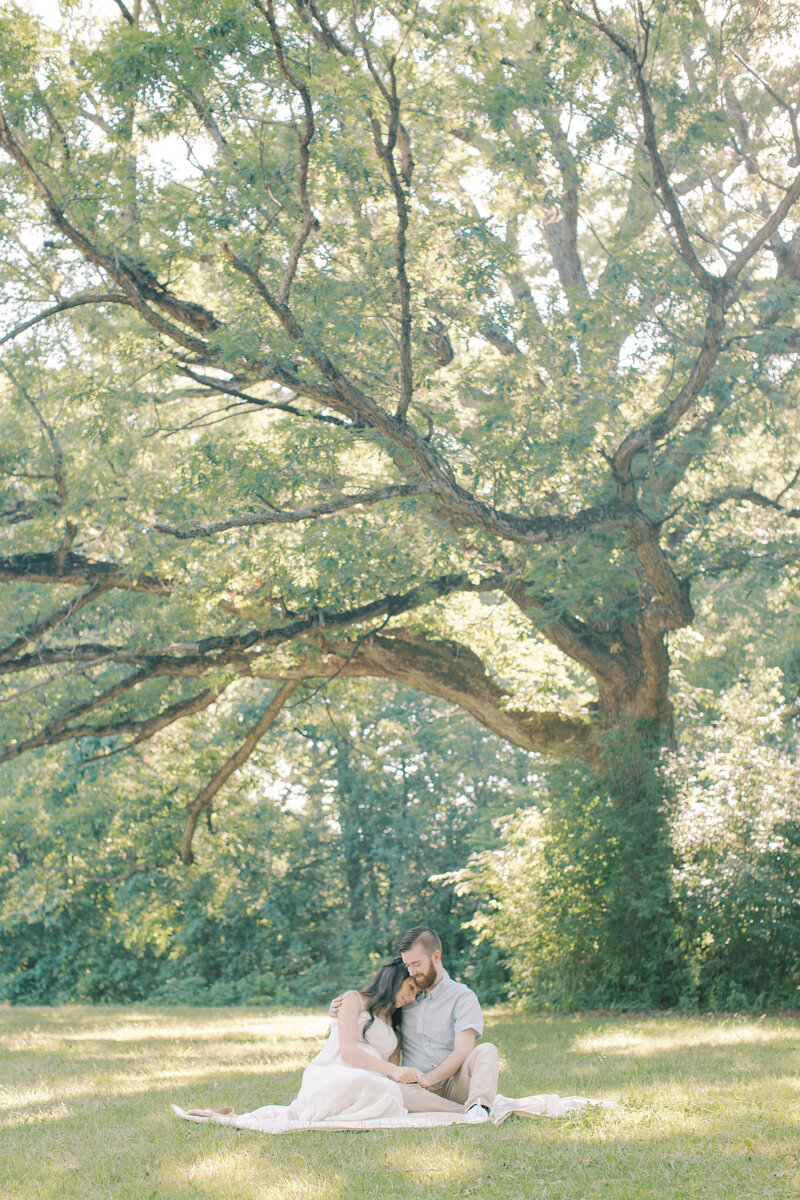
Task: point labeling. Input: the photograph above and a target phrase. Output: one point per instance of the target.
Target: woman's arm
(352, 1053)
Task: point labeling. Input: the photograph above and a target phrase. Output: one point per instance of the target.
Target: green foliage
(736, 833)
(307, 872)
(580, 897)
(75, 954)
(653, 886)
(184, 414)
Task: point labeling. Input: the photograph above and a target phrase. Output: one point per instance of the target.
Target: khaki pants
(475, 1082)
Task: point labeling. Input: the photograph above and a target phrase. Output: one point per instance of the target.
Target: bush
(705, 914)
(583, 923)
(736, 834)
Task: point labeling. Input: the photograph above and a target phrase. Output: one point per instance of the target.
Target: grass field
(711, 1109)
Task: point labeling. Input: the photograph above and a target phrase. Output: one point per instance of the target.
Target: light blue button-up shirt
(430, 1024)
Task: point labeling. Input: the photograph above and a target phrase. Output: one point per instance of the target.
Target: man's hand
(336, 1004)
(464, 1042)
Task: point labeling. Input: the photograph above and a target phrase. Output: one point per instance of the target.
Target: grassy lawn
(711, 1109)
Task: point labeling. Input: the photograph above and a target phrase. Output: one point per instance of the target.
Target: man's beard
(426, 982)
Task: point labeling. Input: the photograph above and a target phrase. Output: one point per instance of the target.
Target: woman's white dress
(332, 1088)
(334, 1095)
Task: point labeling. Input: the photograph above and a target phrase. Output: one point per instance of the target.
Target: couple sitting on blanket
(411, 1006)
(414, 1007)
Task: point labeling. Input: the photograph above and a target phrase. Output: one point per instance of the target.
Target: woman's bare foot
(211, 1112)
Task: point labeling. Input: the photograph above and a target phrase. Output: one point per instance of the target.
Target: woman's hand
(405, 1075)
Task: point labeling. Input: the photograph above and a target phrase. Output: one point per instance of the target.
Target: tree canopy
(450, 344)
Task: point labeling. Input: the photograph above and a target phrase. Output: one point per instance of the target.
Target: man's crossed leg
(475, 1082)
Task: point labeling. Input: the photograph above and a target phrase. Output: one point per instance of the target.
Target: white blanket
(276, 1118)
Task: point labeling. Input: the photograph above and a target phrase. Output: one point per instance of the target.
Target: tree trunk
(634, 917)
(348, 793)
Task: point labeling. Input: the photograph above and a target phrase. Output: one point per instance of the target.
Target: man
(439, 1030)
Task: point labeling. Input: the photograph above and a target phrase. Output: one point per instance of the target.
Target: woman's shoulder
(353, 999)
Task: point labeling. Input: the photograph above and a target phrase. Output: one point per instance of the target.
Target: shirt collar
(445, 979)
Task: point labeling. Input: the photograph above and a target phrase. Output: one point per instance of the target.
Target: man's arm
(463, 1045)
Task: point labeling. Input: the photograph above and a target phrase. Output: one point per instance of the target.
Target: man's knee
(486, 1053)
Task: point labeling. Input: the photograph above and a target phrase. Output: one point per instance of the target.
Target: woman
(356, 1074)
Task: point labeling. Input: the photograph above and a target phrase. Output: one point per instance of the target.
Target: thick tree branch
(277, 375)
(579, 641)
(193, 658)
(656, 429)
(123, 8)
(142, 729)
(148, 728)
(443, 669)
(56, 730)
(59, 617)
(75, 568)
(321, 30)
(628, 660)
(671, 607)
(64, 306)
(305, 513)
(454, 673)
(766, 231)
(64, 728)
(385, 151)
(264, 723)
(321, 620)
(750, 496)
(647, 436)
(242, 651)
(138, 286)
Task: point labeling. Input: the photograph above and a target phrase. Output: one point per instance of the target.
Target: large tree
(446, 343)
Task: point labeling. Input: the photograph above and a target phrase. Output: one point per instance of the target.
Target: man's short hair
(423, 934)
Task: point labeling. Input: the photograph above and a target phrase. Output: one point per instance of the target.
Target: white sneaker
(476, 1114)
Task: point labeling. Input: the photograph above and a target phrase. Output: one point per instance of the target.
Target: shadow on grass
(593, 1156)
(558, 1053)
(246, 1089)
(81, 1023)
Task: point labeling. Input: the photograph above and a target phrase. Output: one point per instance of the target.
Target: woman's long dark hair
(379, 995)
